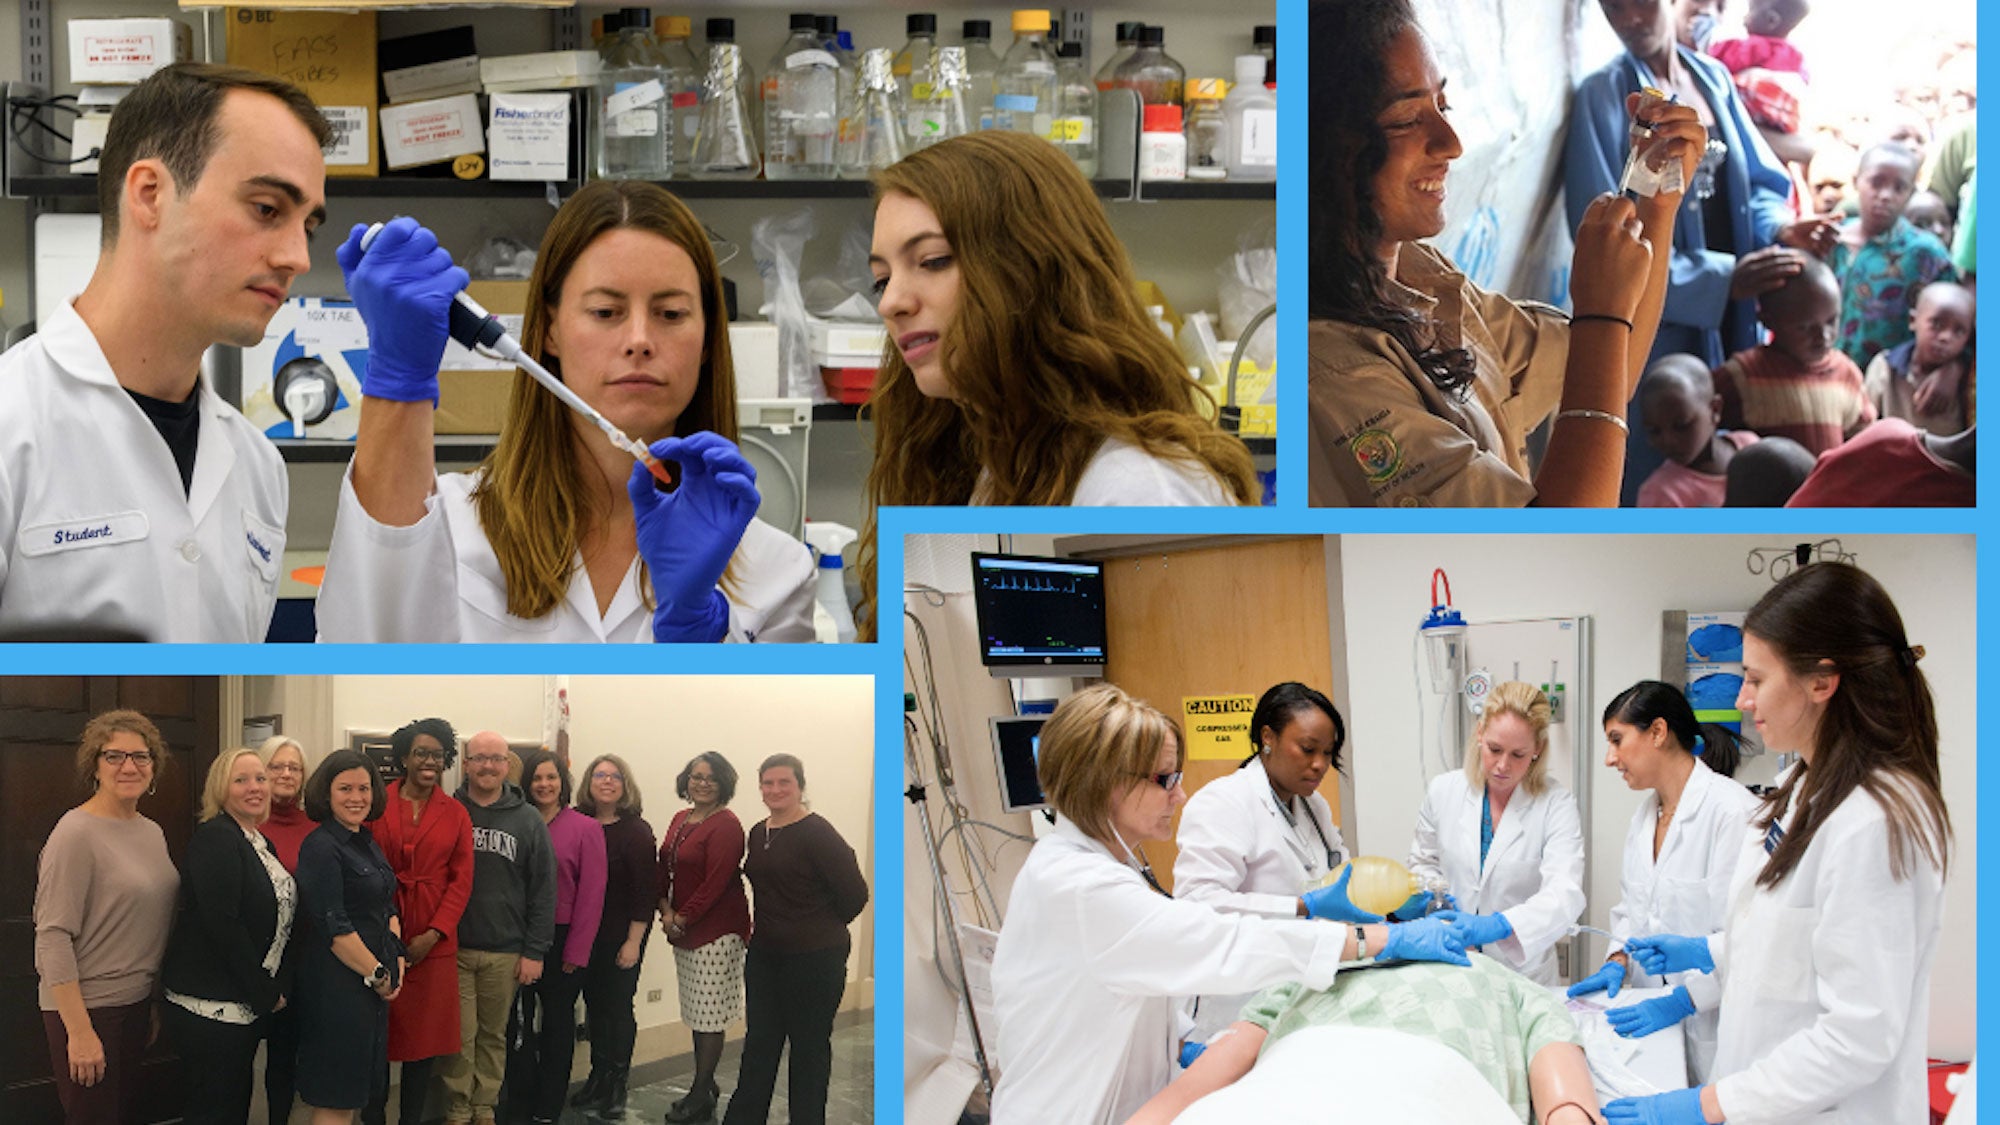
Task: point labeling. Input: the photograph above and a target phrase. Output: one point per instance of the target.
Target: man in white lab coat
(135, 504)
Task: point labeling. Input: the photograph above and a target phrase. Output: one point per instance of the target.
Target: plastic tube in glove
(1330, 902)
(1660, 954)
(688, 535)
(1648, 1016)
(397, 268)
(1608, 980)
(1676, 1107)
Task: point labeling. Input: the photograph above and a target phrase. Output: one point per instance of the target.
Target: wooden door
(41, 718)
(1212, 620)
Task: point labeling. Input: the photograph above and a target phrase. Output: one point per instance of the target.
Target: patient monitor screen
(1036, 611)
(1017, 746)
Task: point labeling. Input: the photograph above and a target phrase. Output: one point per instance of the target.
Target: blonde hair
(1098, 742)
(215, 790)
(1526, 702)
(530, 495)
(1050, 352)
(631, 804)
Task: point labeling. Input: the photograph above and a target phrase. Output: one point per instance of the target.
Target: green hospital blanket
(1490, 1014)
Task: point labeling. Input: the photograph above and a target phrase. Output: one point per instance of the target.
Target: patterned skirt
(711, 983)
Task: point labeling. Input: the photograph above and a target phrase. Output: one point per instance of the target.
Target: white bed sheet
(1627, 1068)
(1356, 1076)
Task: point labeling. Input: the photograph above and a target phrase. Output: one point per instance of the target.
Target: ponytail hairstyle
(1649, 700)
(1275, 709)
(1350, 88)
(1878, 732)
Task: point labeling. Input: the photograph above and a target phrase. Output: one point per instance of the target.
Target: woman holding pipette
(1680, 852)
(561, 535)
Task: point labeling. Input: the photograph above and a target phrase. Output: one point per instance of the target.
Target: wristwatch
(378, 978)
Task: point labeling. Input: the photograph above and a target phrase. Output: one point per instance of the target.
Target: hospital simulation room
(1404, 651)
(587, 722)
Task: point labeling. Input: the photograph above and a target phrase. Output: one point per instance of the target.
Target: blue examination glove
(687, 536)
(1426, 939)
(1607, 980)
(1477, 929)
(1677, 1107)
(1635, 1021)
(1661, 954)
(1416, 906)
(1191, 1051)
(1329, 903)
(403, 288)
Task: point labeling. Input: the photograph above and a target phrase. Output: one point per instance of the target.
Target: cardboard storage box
(329, 55)
(124, 52)
(473, 390)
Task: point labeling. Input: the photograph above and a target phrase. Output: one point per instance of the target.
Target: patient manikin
(1418, 1044)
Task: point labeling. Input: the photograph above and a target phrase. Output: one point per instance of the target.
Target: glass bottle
(1128, 41)
(1264, 40)
(982, 66)
(878, 112)
(1074, 129)
(948, 113)
(1151, 71)
(722, 29)
(1024, 92)
(915, 71)
(684, 73)
(1207, 130)
(846, 126)
(634, 108)
(725, 142)
(801, 95)
(1253, 122)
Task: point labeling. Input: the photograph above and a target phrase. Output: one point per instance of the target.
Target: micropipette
(476, 328)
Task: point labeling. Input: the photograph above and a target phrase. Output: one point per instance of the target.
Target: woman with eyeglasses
(427, 838)
(1095, 954)
(104, 903)
(611, 979)
(286, 828)
(707, 919)
(808, 889)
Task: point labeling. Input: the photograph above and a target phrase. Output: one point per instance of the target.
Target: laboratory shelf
(440, 187)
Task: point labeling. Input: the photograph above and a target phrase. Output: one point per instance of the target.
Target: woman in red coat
(707, 919)
(427, 837)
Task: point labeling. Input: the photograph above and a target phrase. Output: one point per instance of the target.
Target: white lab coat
(1087, 969)
(1238, 854)
(439, 580)
(1826, 980)
(1533, 874)
(1121, 475)
(1686, 890)
(97, 537)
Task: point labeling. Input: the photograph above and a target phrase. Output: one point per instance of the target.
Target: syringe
(475, 328)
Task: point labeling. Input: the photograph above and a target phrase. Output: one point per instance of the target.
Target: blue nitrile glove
(1329, 903)
(1607, 980)
(1661, 954)
(1676, 1107)
(1477, 929)
(687, 536)
(1426, 939)
(1634, 1021)
(1191, 1051)
(403, 287)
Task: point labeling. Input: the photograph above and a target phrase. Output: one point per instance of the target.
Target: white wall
(1624, 582)
(656, 723)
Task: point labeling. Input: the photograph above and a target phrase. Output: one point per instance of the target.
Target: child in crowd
(1767, 474)
(1799, 385)
(1832, 170)
(1927, 212)
(1927, 381)
(1882, 260)
(1680, 410)
(1894, 465)
(1769, 71)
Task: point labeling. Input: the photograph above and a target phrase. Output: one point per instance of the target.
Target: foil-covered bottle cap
(876, 72)
(951, 68)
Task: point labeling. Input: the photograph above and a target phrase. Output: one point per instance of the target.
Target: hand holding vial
(1667, 140)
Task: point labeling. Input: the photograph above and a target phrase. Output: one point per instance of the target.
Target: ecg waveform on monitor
(1034, 582)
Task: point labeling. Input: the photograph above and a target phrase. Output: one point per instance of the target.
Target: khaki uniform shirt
(1384, 435)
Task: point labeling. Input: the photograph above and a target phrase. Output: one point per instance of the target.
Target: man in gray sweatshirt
(507, 926)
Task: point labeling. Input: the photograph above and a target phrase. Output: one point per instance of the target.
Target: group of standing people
(1794, 931)
(350, 924)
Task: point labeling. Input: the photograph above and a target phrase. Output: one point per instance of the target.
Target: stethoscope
(1293, 823)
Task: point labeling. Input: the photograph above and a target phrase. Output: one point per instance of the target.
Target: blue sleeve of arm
(1592, 153)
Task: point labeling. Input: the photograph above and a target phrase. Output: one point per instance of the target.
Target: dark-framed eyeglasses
(1164, 780)
(141, 758)
(434, 756)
